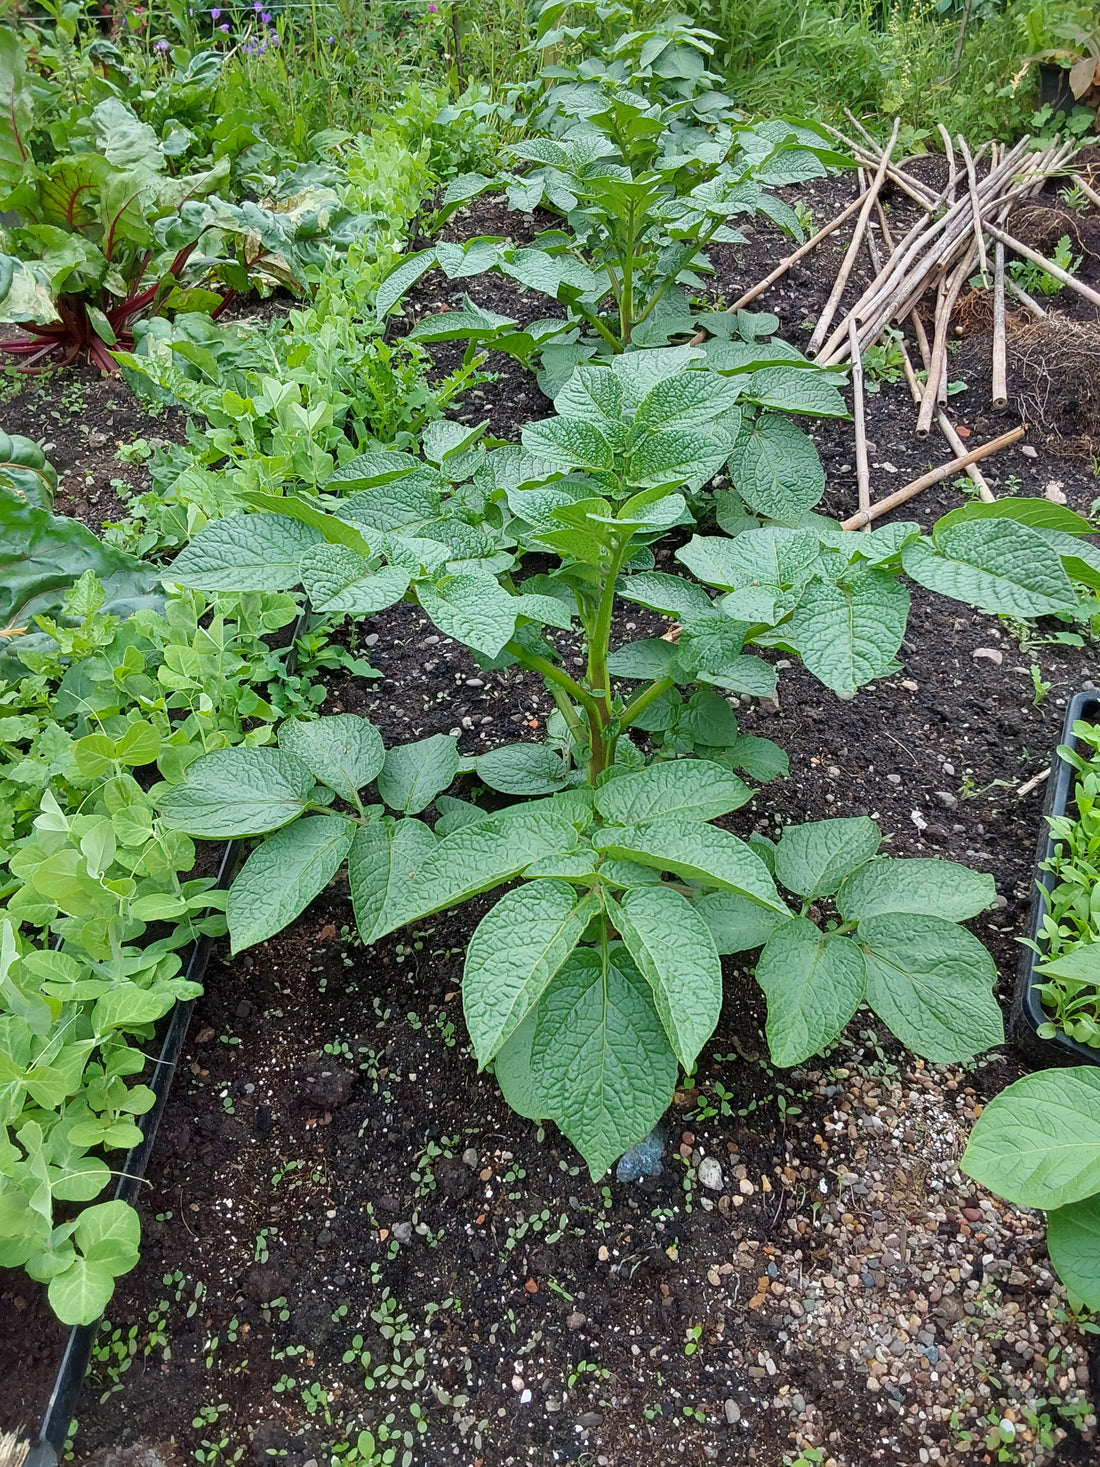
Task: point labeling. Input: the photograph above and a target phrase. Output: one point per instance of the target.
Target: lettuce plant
(587, 985)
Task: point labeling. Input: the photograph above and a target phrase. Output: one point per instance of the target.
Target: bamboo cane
(853, 249)
(863, 468)
(972, 183)
(949, 154)
(884, 297)
(1087, 189)
(937, 367)
(1000, 349)
(934, 476)
(943, 422)
(1025, 300)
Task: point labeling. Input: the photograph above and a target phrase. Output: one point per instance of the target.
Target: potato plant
(591, 982)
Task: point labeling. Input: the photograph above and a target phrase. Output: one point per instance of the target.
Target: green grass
(880, 59)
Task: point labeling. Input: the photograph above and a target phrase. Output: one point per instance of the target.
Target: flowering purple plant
(215, 13)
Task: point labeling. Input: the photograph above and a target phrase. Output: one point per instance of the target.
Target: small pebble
(733, 1411)
(710, 1174)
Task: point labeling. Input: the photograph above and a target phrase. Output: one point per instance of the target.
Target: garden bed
(331, 1167)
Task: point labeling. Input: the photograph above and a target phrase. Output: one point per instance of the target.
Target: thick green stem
(594, 320)
(644, 699)
(599, 679)
(554, 675)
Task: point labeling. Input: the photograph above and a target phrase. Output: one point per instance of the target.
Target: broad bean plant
(587, 985)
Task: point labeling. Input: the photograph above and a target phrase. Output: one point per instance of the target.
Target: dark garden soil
(333, 1181)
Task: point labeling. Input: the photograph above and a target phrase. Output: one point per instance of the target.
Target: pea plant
(587, 985)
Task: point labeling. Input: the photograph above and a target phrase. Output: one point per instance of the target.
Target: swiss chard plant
(108, 233)
(1037, 1144)
(587, 985)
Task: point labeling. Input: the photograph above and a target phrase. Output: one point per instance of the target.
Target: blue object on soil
(643, 1160)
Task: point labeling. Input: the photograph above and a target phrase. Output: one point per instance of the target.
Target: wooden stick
(949, 154)
(871, 154)
(1000, 350)
(1025, 300)
(972, 182)
(1048, 265)
(824, 320)
(937, 366)
(1033, 783)
(889, 295)
(1087, 189)
(935, 476)
(863, 468)
(789, 260)
(943, 422)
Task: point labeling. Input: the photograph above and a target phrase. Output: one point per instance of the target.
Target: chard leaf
(931, 983)
(600, 1058)
(813, 859)
(927, 885)
(997, 565)
(515, 950)
(244, 552)
(675, 954)
(342, 750)
(283, 875)
(692, 787)
(234, 792)
(413, 774)
(1038, 1142)
(814, 983)
(849, 634)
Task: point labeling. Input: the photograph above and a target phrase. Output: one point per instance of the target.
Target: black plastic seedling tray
(1060, 1049)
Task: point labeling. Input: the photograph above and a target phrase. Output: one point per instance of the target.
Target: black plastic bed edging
(73, 1368)
(1029, 1007)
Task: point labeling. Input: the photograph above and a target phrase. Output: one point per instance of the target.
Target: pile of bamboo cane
(957, 230)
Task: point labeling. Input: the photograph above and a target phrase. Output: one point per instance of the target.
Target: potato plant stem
(647, 696)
